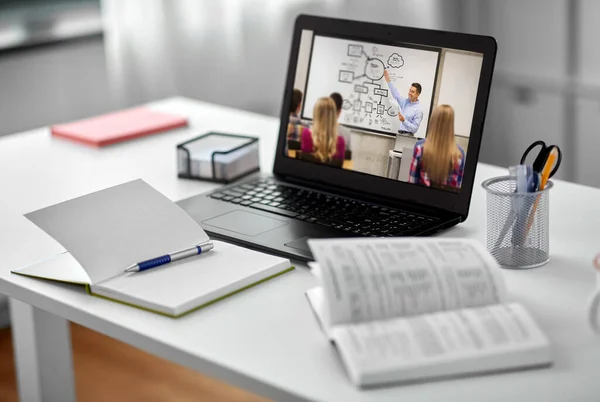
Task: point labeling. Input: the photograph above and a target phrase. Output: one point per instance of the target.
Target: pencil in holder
(517, 224)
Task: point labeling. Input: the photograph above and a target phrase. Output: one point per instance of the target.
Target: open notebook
(109, 230)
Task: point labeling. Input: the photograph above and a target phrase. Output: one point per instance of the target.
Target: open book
(107, 231)
(402, 310)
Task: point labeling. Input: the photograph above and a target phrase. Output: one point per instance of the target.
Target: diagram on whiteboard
(367, 102)
(356, 71)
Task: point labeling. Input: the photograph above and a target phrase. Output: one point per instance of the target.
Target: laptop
(326, 192)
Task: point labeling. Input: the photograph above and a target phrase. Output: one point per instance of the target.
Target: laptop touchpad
(244, 222)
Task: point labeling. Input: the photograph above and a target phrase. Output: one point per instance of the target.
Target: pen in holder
(517, 225)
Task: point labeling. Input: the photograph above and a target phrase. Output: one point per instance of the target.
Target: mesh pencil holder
(517, 224)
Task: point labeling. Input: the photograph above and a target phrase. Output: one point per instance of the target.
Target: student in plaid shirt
(295, 125)
(437, 160)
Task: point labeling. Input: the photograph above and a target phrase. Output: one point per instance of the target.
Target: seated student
(437, 160)
(323, 141)
(343, 131)
(295, 125)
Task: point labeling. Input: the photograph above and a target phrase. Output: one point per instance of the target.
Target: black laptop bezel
(377, 186)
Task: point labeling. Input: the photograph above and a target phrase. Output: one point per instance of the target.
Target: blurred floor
(108, 370)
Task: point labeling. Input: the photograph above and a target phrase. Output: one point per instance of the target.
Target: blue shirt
(410, 110)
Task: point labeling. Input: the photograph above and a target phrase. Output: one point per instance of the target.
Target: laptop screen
(402, 111)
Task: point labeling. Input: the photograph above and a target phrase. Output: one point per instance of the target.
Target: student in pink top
(323, 141)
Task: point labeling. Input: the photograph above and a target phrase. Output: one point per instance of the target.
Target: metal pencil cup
(517, 224)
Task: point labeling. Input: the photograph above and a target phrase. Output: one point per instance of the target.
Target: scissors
(542, 157)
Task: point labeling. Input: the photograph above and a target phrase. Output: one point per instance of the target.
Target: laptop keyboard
(353, 216)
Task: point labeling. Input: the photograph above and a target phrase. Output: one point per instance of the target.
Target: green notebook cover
(63, 268)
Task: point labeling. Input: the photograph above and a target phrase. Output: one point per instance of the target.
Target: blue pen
(165, 259)
(532, 181)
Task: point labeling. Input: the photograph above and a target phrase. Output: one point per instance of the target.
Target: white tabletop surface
(266, 339)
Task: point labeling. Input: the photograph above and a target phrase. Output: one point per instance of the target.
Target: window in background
(34, 22)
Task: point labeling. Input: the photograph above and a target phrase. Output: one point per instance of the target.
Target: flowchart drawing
(346, 76)
(355, 50)
(373, 70)
(395, 60)
(356, 70)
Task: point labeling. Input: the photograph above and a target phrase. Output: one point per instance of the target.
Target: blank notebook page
(108, 230)
(180, 286)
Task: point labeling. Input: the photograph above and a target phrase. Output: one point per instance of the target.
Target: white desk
(265, 339)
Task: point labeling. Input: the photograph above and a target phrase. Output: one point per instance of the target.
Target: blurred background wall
(102, 55)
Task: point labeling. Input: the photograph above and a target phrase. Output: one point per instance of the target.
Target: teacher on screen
(410, 113)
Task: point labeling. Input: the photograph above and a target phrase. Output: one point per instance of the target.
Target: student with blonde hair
(437, 160)
(323, 141)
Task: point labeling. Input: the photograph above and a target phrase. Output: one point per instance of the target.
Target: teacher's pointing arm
(394, 91)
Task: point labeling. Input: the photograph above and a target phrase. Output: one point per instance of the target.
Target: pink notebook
(118, 126)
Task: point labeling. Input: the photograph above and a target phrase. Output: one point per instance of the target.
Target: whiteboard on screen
(355, 70)
(458, 88)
